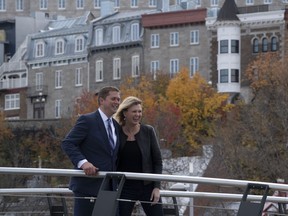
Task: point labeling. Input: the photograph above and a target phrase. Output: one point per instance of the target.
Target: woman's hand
(155, 196)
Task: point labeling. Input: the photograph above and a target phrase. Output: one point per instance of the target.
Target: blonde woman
(139, 152)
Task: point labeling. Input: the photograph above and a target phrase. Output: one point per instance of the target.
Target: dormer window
(116, 34)
(39, 52)
(59, 46)
(79, 44)
(135, 31)
(99, 37)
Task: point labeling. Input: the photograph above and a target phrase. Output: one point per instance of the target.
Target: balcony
(37, 93)
(13, 83)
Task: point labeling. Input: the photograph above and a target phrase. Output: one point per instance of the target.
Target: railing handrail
(141, 176)
(164, 193)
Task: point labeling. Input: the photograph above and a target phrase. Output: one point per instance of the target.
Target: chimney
(163, 5)
(107, 7)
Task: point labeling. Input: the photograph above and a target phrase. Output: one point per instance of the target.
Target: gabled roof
(228, 11)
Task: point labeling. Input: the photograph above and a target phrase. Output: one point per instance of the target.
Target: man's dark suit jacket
(88, 139)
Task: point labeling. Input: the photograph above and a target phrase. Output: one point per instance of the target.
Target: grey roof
(228, 11)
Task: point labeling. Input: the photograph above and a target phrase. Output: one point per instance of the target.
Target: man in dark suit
(92, 145)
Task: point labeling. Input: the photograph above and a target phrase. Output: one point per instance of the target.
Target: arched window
(274, 45)
(264, 45)
(255, 45)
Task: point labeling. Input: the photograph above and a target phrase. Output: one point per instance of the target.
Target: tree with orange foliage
(200, 106)
(253, 141)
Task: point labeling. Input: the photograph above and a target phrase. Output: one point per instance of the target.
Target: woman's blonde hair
(124, 106)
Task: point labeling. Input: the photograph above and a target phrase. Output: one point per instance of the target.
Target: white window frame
(267, 1)
(116, 35)
(174, 66)
(174, 39)
(99, 37)
(117, 3)
(155, 40)
(154, 67)
(135, 31)
(249, 2)
(39, 78)
(58, 79)
(97, 4)
(214, 3)
(43, 4)
(59, 46)
(152, 3)
(58, 108)
(99, 70)
(117, 68)
(19, 5)
(12, 101)
(134, 3)
(2, 5)
(40, 49)
(194, 65)
(79, 43)
(135, 60)
(61, 4)
(78, 77)
(79, 4)
(194, 37)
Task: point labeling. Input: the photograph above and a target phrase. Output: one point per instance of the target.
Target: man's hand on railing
(89, 169)
(155, 196)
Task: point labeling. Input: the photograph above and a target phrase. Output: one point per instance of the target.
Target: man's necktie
(110, 133)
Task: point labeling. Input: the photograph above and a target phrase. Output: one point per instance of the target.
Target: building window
(79, 4)
(116, 68)
(43, 4)
(174, 66)
(154, 66)
(134, 3)
(12, 101)
(152, 3)
(116, 34)
(234, 75)
(117, 3)
(78, 77)
(135, 66)
(249, 2)
(39, 81)
(59, 46)
(99, 37)
(194, 65)
(224, 47)
(39, 110)
(2, 5)
(255, 45)
(61, 4)
(198, 3)
(79, 44)
(135, 31)
(214, 3)
(267, 1)
(99, 70)
(194, 37)
(19, 5)
(234, 46)
(174, 39)
(264, 45)
(274, 45)
(57, 108)
(58, 79)
(224, 78)
(155, 40)
(39, 49)
(97, 3)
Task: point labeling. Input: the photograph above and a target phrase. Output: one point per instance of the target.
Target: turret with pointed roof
(228, 11)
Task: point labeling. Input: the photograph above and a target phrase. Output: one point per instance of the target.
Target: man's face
(110, 104)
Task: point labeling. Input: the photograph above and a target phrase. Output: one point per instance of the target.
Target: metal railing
(176, 192)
